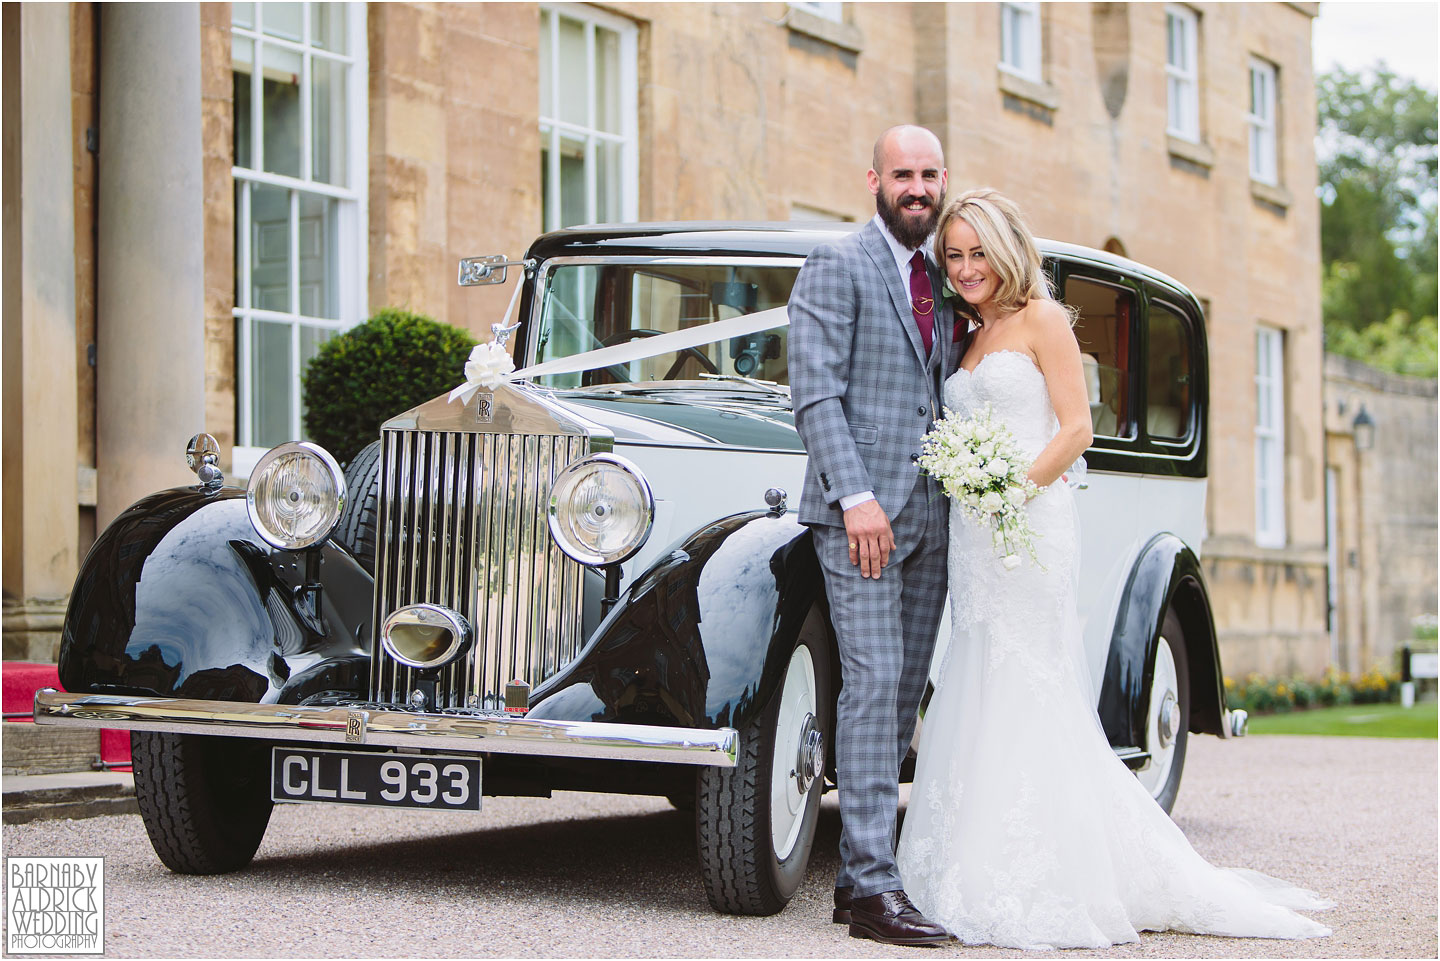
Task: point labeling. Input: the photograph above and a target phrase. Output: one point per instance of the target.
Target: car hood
(699, 419)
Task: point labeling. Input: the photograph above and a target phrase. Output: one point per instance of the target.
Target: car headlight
(295, 495)
(601, 510)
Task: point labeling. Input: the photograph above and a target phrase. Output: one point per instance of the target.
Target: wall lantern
(1364, 427)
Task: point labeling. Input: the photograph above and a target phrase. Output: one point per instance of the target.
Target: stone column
(40, 513)
(150, 305)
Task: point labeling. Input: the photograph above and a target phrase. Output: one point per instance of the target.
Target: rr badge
(355, 727)
(484, 407)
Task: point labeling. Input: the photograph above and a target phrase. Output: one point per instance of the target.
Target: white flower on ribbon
(489, 366)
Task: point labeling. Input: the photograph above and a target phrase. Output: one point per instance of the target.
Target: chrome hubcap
(810, 758)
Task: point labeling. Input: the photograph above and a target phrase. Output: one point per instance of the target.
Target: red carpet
(20, 680)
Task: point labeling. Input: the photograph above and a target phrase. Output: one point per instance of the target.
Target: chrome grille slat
(463, 524)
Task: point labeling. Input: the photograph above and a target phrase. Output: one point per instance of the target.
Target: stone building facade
(322, 161)
(1381, 470)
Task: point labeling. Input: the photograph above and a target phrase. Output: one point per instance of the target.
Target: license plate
(386, 780)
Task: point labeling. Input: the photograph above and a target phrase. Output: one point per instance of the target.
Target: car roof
(769, 238)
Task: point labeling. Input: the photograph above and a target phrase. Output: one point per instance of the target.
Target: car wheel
(361, 515)
(1167, 724)
(205, 800)
(755, 822)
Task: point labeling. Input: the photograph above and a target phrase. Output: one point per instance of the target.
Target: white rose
(991, 503)
(1015, 495)
(997, 467)
(972, 500)
(1011, 561)
(986, 450)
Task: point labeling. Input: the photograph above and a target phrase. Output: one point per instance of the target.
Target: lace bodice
(1015, 389)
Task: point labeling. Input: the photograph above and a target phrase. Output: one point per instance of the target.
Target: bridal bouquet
(980, 465)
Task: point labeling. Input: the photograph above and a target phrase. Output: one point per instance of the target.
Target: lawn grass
(1355, 720)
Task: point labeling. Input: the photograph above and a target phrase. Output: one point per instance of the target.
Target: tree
(1376, 149)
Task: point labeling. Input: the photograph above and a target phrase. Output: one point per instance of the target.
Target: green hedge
(392, 362)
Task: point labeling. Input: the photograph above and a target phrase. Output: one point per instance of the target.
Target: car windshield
(585, 307)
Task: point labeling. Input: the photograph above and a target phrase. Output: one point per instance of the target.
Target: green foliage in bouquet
(375, 370)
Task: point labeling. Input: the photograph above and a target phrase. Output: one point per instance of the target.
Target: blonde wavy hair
(1008, 244)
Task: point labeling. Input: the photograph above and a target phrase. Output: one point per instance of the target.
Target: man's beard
(911, 233)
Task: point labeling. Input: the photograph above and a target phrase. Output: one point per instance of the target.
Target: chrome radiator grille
(462, 524)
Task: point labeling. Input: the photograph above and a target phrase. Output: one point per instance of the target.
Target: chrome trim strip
(476, 734)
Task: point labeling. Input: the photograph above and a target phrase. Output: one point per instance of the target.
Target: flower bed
(1265, 695)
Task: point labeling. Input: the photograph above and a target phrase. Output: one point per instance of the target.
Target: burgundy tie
(922, 299)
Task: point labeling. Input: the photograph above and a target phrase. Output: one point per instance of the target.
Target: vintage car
(586, 578)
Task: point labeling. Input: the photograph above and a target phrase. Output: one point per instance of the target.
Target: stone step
(36, 749)
(53, 796)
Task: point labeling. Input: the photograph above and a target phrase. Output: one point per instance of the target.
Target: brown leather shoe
(841, 914)
(890, 918)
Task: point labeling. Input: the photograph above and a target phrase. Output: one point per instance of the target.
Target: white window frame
(551, 128)
(1182, 77)
(1020, 40)
(351, 214)
(1260, 116)
(1269, 436)
(834, 12)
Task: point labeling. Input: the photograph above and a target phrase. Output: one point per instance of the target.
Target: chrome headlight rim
(461, 634)
(337, 477)
(581, 554)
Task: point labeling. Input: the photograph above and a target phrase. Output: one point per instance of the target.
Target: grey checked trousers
(885, 629)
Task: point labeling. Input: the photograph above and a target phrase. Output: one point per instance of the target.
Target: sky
(1356, 34)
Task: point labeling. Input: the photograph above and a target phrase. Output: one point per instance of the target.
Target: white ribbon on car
(642, 348)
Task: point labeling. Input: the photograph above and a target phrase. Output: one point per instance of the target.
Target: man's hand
(871, 539)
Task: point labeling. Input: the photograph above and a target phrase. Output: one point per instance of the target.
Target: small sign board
(1425, 665)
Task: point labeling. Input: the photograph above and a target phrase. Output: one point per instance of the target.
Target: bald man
(867, 359)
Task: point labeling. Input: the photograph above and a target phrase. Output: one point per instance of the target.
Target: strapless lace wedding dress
(1024, 829)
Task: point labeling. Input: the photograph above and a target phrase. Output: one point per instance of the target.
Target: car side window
(1168, 378)
(1105, 314)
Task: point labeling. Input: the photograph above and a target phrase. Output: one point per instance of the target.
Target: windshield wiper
(765, 385)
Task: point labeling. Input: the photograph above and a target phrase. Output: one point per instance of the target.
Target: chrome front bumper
(341, 726)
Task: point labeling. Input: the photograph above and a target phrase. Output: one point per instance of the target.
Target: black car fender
(180, 597)
(702, 637)
(1166, 575)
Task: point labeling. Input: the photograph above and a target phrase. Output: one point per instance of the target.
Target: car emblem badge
(484, 407)
(355, 727)
(517, 697)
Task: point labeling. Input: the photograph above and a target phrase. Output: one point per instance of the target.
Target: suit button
(923, 411)
(914, 458)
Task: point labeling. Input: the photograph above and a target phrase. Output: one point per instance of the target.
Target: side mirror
(482, 271)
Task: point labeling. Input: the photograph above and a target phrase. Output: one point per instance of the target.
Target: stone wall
(1385, 500)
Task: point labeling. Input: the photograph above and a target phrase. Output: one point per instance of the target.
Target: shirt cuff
(855, 500)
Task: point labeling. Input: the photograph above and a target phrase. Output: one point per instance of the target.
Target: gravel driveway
(604, 876)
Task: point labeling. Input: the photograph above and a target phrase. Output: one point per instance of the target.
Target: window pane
(282, 19)
(310, 340)
(243, 15)
(607, 80)
(327, 26)
(607, 182)
(572, 182)
(1103, 331)
(244, 54)
(319, 286)
(281, 120)
(547, 104)
(327, 121)
(269, 248)
(1168, 376)
(271, 384)
(574, 84)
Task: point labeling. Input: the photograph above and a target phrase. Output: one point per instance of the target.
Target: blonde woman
(1024, 829)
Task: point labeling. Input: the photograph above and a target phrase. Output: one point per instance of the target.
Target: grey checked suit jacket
(864, 392)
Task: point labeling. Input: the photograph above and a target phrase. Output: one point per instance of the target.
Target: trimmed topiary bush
(375, 370)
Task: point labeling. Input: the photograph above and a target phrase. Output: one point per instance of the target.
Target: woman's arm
(1058, 356)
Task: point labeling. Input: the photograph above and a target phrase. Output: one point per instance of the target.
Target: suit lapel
(875, 245)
